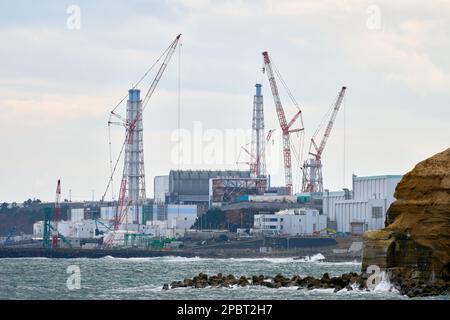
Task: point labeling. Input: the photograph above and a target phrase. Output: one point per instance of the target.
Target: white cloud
(57, 86)
(401, 64)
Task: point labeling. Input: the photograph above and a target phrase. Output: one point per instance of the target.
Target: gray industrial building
(192, 186)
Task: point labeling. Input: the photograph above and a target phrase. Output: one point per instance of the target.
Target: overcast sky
(58, 83)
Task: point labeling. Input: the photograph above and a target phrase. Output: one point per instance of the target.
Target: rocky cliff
(414, 246)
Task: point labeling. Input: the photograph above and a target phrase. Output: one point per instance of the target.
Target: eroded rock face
(415, 244)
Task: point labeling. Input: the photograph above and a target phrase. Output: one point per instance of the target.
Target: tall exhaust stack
(134, 155)
(258, 157)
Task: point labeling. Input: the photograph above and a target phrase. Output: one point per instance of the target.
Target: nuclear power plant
(183, 198)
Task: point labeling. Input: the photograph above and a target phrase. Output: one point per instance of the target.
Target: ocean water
(143, 278)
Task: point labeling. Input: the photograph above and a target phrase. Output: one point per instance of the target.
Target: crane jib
(284, 125)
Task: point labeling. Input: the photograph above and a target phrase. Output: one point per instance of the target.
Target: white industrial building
(109, 213)
(84, 229)
(173, 227)
(163, 221)
(152, 212)
(155, 221)
(160, 188)
(330, 198)
(291, 222)
(365, 209)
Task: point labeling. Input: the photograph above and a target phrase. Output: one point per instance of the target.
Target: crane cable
(110, 164)
(142, 78)
(344, 107)
(113, 170)
(179, 117)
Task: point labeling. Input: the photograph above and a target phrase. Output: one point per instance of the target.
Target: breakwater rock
(414, 247)
(349, 281)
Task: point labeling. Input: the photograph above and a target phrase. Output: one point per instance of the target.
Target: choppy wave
(26, 258)
(317, 258)
(314, 258)
(166, 258)
(143, 278)
(145, 288)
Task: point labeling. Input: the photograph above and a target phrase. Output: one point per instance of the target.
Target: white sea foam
(315, 258)
(385, 285)
(346, 263)
(145, 288)
(183, 259)
(271, 260)
(322, 290)
(164, 258)
(194, 259)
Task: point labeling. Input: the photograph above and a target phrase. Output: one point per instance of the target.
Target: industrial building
(229, 190)
(161, 188)
(170, 215)
(364, 208)
(291, 222)
(153, 220)
(192, 186)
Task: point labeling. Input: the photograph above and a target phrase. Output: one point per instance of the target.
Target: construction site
(256, 214)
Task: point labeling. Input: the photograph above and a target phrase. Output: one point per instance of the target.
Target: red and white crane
(285, 126)
(312, 168)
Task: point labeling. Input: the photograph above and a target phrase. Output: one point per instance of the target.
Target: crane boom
(312, 168)
(285, 126)
(123, 203)
(161, 70)
(132, 125)
(276, 95)
(327, 132)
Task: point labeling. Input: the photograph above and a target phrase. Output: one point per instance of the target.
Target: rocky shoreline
(414, 246)
(349, 281)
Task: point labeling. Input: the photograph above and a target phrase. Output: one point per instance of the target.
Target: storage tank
(76, 214)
